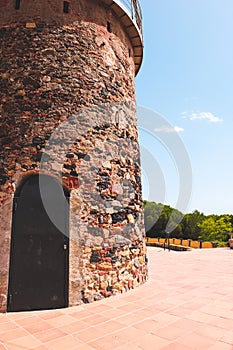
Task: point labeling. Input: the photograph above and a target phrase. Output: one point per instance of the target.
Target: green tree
(190, 224)
(215, 228)
(161, 218)
(154, 221)
(149, 222)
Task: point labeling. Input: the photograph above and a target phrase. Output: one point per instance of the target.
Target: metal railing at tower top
(129, 14)
(134, 8)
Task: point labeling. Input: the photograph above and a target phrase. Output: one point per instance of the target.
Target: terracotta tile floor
(187, 304)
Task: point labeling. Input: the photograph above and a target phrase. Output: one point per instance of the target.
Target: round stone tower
(71, 228)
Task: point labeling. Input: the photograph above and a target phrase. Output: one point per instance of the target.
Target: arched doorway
(38, 277)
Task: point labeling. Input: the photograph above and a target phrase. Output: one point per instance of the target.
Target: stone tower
(71, 228)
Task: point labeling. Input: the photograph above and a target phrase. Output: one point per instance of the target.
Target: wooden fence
(182, 242)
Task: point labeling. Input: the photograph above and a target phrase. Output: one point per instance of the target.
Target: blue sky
(187, 77)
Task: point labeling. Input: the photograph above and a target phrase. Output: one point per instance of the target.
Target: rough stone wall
(67, 108)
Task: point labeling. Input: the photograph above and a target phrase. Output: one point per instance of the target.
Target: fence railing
(182, 242)
(134, 8)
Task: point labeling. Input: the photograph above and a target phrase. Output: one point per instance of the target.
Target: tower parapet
(130, 14)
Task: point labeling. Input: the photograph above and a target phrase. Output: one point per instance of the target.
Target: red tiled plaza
(186, 304)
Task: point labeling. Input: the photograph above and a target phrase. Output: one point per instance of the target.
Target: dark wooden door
(38, 276)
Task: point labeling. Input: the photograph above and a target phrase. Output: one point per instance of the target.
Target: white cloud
(178, 129)
(169, 129)
(202, 116)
